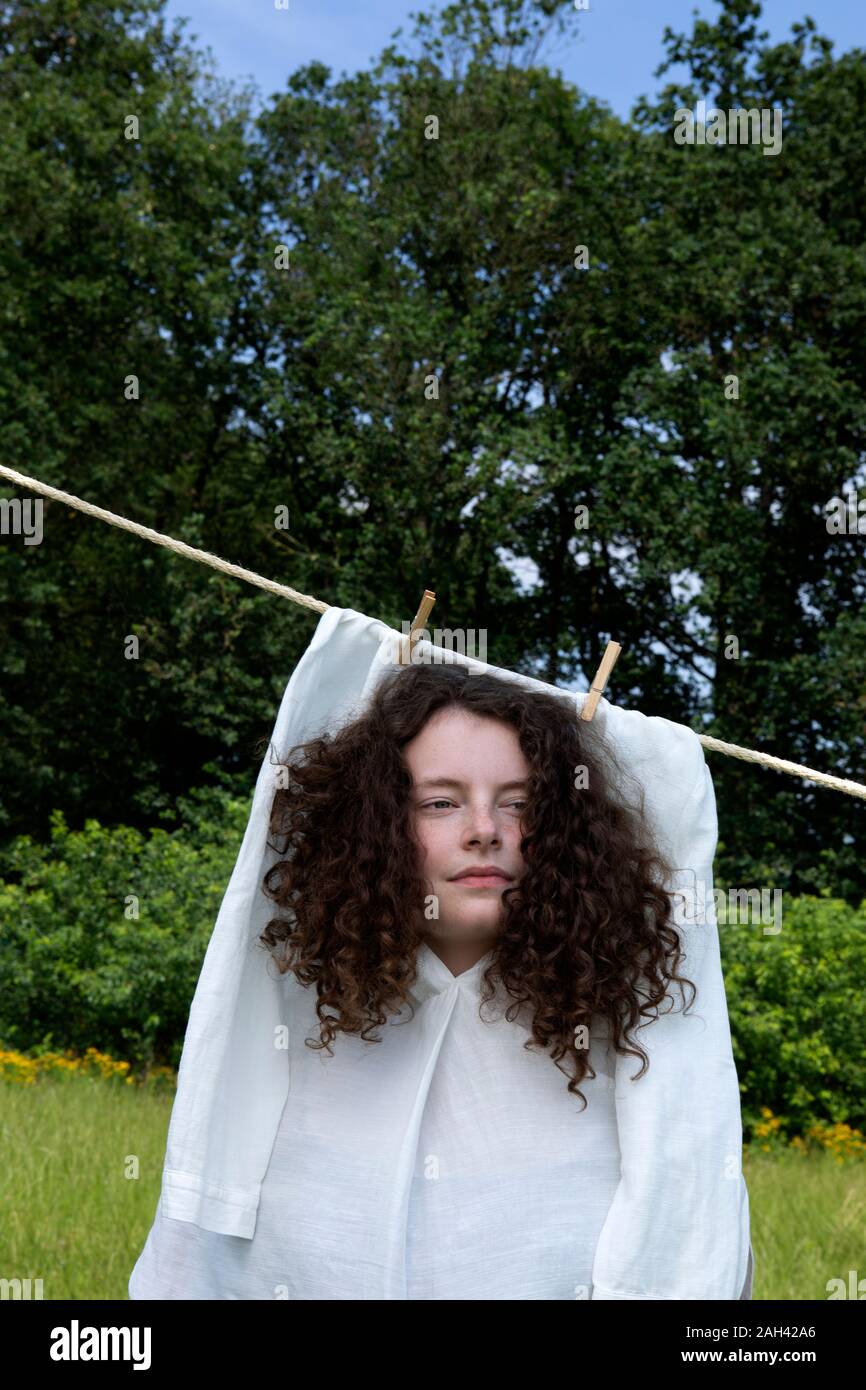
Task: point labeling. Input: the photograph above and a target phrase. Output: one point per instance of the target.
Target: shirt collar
(434, 977)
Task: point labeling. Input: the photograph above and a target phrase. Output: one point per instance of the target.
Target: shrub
(797, 1004)
(77, 969)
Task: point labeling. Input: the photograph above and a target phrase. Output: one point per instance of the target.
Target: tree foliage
(431, 384)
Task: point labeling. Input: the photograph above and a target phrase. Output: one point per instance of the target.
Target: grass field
(83, 1162)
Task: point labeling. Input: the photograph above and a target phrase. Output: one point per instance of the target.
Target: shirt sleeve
(678, 1225)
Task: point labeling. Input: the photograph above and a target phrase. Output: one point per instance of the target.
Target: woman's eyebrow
(453, 782)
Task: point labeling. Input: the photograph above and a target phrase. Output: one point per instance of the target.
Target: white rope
(733, 750)
(179, 547)
(749, 755)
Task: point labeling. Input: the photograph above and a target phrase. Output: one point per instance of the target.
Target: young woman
(500, 1085)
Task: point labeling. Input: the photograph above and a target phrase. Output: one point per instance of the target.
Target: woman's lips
(482, 881)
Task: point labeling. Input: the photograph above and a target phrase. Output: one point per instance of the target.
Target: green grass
(808, 1218)
(69, 1214)
(83, 1164)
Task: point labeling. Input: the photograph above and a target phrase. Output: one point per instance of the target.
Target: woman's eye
(443, 801)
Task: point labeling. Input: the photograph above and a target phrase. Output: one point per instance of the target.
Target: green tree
(368, 306)
(119, 257)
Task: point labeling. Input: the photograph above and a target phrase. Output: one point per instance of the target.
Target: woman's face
(469, 791)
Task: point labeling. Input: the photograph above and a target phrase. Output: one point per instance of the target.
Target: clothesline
(733, 750)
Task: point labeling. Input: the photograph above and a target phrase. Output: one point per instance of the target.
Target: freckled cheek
(435, 846)
(512, 835)
(440, 847)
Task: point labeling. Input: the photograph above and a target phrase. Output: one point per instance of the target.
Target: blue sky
(610, 52)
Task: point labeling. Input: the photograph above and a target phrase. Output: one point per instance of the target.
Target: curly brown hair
(587, 918)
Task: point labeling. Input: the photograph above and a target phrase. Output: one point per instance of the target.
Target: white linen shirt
(448, 1161)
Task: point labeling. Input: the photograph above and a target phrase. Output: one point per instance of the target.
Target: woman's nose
(482, 825)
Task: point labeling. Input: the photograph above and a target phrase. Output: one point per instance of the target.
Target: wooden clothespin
(596, 690)
(418, 624)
